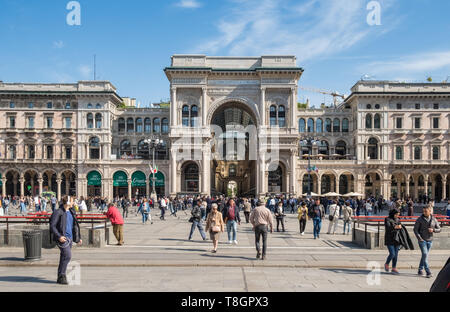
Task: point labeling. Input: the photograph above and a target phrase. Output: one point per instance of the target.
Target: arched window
(310, 125)
(185, 116)
(121, 125)
(281, 116)
(156, 125)
(139, 125)
(324, 148)
(372, 148)
(90, 121)
(98, 121)
(319, 125)
(98, 106)
(165, 125)
(341, 148)
(273, 116)
(94, 148)
(143, 151)
(368, 121)
(130, 125)
(377, 121)
(345, 125)
(147, 125)
(328, 125)
(89, 106)
(125, 148)
(301, 125)
(194, 116)
(336, 125)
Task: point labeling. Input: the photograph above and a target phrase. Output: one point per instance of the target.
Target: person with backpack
(333, 217)
(318, 213)
(196, 220)
(65, 230)
(424, 228)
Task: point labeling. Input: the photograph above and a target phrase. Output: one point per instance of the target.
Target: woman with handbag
(214, 225)
(302, 217)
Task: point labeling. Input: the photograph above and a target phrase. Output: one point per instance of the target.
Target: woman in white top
(83, 206)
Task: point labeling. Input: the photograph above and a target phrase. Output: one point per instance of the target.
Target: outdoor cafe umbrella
(352, 194)
(312, 194)
(331, 194)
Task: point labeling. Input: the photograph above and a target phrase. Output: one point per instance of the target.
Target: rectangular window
(399, 106)
(436, 123)
(68, 152)
(68, 106)
(436, 106)
(31, 153)
(49, 152)
(31, 122)
(417, 106)
(12, 105)
(417, 123)
(399, 153)
(436, 152)
(12, 122)
(30, 105)
(399, 123)
(49, 122)
(417, 153)
(50, 105)
(68, 123)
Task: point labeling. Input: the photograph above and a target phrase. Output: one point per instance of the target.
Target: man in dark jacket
(424, 228)
(442, 282)
(65, 230)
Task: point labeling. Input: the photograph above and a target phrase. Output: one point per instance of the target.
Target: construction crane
(334, 94)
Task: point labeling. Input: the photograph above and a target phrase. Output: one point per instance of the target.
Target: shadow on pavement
(350, 245)
(227, 257)
(25, 279)
(184, 249)
(12, 259)
(365, 272)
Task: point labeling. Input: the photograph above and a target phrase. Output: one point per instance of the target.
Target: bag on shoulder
(331, 218)
(215, 229)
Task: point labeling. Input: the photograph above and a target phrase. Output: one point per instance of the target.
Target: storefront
(120, 183)
(138, 184)
(94, 184)
(159, 183)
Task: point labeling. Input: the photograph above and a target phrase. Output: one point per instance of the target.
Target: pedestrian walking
(196, 220)
(214, 225)
(333, 217)
(347, 213)
(261, 219)
(145, 211)
(279, 214)
(65, 230)
(392, 226)
(302, 215)
(442, 282)
(113, 214)
(232, 220)
(424, 228)
(318, 213)
(162, 207)
(247, 210)
(83, 206)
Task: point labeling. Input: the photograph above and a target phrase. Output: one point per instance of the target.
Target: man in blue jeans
(318, 213)
(424, 228)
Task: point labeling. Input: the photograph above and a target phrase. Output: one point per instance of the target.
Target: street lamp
(153, 143)
(309, 142)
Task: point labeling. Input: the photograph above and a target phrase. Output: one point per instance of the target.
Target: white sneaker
(235, 242)
(230, 242)
(303, 233)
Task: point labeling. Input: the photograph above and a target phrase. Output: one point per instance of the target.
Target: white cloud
(85, 71)
(311, 29)
(189, 4)
(58, 44)
(417, 63)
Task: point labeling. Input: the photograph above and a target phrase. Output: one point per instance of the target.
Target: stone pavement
(158, 257)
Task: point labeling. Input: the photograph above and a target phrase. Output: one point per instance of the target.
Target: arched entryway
(94, 184)
(120, 184)
(310, 183)
(346, 183)
(398, 185)
(68, 184)
(190, 178)
(328, 183)
(373, 184)
(276, 183)
(49, 182)
(139, 184)
(12, 183)
(31, 185)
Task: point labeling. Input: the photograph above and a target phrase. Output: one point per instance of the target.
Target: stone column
(262, 174)
(262, 107)
(58, 182)
(67, 186)
(294, 107)
(426, 185)
(173, 107)
(147, 187)
(4, 186)
(319, 185)
(173, 171)
(407, 184)
(41, 184)
(206, 172)
(129, 189)
(293, 176)
(337, 185)
(204, 106)
(22, 186)
(416, 187)
(444, 188)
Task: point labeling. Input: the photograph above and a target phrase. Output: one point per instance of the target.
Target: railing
(379, 220)
(44, 218)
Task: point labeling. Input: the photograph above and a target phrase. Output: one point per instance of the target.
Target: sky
(336, 42)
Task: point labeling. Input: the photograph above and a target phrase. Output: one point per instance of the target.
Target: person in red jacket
(116, 219)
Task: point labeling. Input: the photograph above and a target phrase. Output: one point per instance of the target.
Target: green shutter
(94, 179)
(138, 179)
(120, 179)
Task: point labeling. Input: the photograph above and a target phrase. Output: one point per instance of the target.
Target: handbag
(331, 218)
(191, 220)
(215, 229)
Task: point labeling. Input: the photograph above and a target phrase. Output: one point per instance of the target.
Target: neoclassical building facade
(232, 121)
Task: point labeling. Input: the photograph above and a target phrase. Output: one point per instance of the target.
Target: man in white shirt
(36, 203)
(334, 217)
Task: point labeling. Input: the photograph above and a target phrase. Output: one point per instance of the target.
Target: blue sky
(134, 39)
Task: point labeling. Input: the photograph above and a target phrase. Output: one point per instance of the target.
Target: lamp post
(309, 142)
(153, 143)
